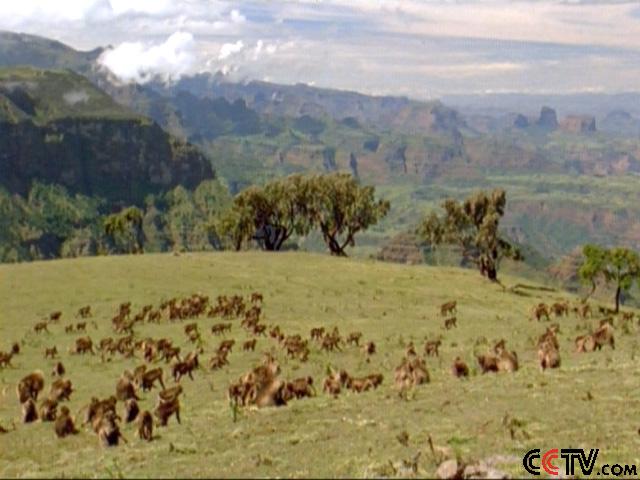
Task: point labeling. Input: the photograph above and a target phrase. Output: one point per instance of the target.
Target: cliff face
(56, 127)
(120, 160)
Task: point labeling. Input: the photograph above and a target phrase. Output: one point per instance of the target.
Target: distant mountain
(31, 50)
(57, 127)
(385, 112)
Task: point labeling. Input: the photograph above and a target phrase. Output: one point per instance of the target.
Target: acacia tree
(341, 208)
(125, 228)
(619, 266)
(473, 226)
(269, 214)
(334, 203)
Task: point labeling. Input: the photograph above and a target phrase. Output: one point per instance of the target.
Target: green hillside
(588, 402)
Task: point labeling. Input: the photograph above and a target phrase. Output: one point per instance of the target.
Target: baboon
(560, 309)
(410, 351)
(5, 359)
(376, 379)
(125, 389)
(331, 386)
(185, 368)
(149, 378)
(359, 385)
(48, 410)
(55, 316)
(507, 361)
(65, 425)
(226, 345)
(29, 411)
(448, 307)
(145, 426)
(68, 329)
(58, 370)
(539, 311)
(301, 387)
(61, 390)
(170, 394)
(249, 345)
(81, 326)
(604, 336)
(30, 386)
(317, 333)
(164, 410)
(548, 356)
(459, 368)
(431, 348)
(51, 352)
(585, 343)
(259, 329)
(40, 326)
(219, 360)
(191, 327)
(369, 348)
(256, 297)
(220, 328)
(15, 348)
(410, 373)
(488, 363)
(84, 312)
(108, 430)
(354, 338)
(450, 323)
(84, 345)
(131, 410)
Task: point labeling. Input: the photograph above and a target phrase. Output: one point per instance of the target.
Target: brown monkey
(301, 387)
(55, 316)
(58, 370)
(48, 410)
(448, 307)
(131, 410)
(15, 348)
(450, 323)
(108, 430)
(369, 348)
(164, 410)
(459, 368)
(125, 390)
(64, 423)
(585, 343)
(30, 386)
(354, 338)
(40, 326)
(61, 390)
(149, 378)
(249, 345)
(488, 363)
(332, 386)
(548, 356)
(81, 326)
(170, 394)
(51, 352)
(376, 379)
(5, 359)
(431, 348)
(29, 411)
(145, 426)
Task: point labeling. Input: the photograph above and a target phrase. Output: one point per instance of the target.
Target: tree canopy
(473, 226)
(335, 204)
(618, 266)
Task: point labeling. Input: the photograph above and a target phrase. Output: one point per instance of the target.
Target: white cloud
(135, 61)
(236, 16)
(229, 49)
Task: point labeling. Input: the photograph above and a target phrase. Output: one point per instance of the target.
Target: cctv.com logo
(572, 457)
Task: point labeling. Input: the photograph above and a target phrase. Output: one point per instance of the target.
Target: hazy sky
(420, 48)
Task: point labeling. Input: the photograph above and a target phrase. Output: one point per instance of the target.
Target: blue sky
(419, 48)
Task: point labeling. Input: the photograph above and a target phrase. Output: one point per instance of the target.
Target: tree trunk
(618, 292)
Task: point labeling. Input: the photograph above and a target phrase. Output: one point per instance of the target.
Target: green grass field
(591, 401)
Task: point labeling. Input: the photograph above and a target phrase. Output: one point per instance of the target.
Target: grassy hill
(590, 402)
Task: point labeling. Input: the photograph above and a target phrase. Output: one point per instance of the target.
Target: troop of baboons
(262, 386)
